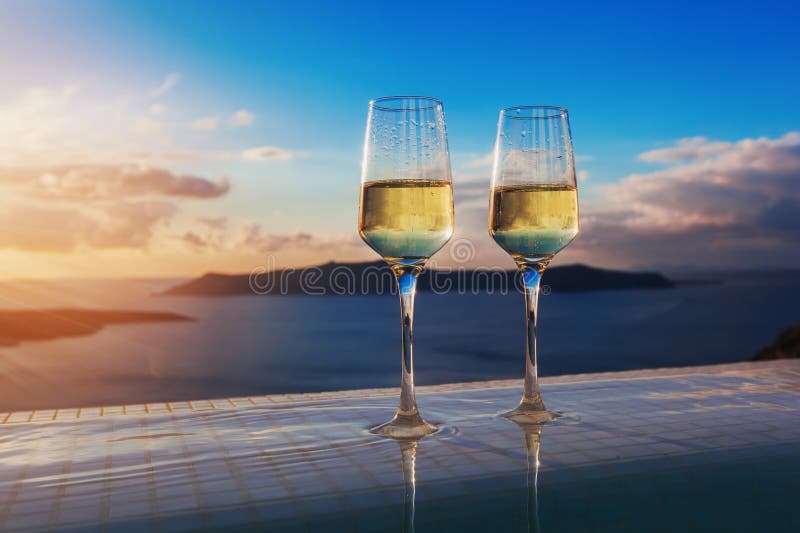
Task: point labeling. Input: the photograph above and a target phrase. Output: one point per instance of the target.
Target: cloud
(170, 81)
(583, 175)
(205, 123)
(469, 188)
(67, 208)
(732, 204)
(70, 124)
(215, 223)
(35, 119)
(691, 149)
(243, 117)
(487, 160)
(129, 224)
(718, 205)
(260, 153)
(40, 228)
(481, 162)
(252, 237)
(212, 234)
(103, 182)
(267, 153)
(194, 240)
(47, 98)
(148, 125)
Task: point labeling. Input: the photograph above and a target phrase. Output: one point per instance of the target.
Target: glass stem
(407, 287)
(531, 397)
(409, 453)
(532, 445)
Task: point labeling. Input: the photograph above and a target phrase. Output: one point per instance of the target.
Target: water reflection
(533, 443)
(408, 451)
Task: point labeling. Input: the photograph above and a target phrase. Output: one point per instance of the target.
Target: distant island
(377, 278)
(786, 346)
(48, 324)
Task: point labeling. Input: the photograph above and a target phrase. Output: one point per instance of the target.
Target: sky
(173, 138)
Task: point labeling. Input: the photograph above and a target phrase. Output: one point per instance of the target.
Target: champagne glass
(406, 215)
(533, 214)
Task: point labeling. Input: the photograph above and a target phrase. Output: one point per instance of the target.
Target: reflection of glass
(533, 442)
(406, 215)
(408, 449)
(533, 214)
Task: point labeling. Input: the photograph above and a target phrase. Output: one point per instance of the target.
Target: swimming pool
(699, 449)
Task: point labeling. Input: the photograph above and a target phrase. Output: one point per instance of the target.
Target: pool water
(702, 449)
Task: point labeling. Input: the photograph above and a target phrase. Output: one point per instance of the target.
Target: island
(377, 278)
(786, 346)
(48, 324)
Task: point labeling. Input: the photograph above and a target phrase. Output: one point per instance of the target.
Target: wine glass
(533, 214)
(406, 215)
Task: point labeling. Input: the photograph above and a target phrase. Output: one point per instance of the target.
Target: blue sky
(635, 77)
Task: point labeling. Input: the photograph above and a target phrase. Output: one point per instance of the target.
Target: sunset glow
(149, 150)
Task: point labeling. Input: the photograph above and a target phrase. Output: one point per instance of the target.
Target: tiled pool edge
(216, 404)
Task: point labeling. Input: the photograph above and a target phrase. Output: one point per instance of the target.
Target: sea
(247, 345)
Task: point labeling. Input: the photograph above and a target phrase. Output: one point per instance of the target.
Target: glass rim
(433, 103)
(556, 112)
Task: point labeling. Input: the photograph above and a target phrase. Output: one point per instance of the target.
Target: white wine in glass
(406, 220)
(533, 214)
(406, 216)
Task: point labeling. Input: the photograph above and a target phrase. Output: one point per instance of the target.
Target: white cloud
(148, 125)
(70, 125)
(170, 81)
(267, 153)
(205, 123)
(35, 120)
(482, 161)
(259, 153)
(487, 160)
(583, 175)
(243, 117)
(691, 149)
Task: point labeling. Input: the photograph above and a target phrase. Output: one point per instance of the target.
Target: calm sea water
(274, 344)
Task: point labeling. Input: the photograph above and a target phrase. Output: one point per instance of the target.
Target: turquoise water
(740, 492)
(263, 344)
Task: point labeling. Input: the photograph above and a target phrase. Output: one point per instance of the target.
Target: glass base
(405, 427)
(530, 413)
